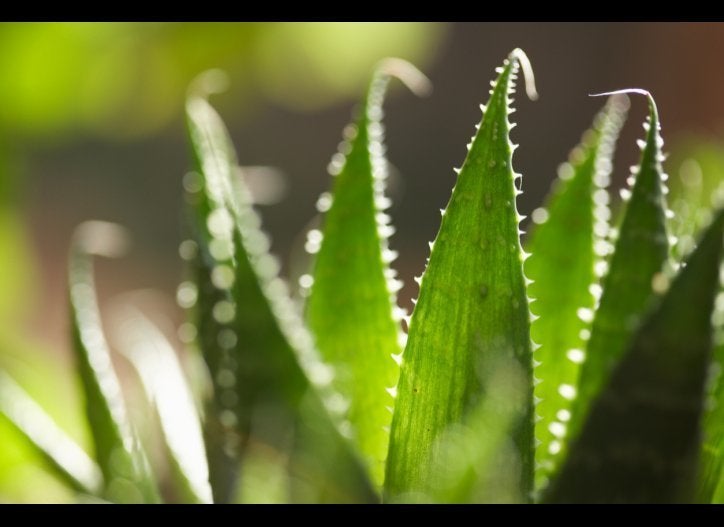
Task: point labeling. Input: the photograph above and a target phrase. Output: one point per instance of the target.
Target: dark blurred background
(91, 127)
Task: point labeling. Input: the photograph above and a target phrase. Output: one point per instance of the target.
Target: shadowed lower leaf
(641, 441)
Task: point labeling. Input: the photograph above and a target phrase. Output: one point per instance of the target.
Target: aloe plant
(582, 368)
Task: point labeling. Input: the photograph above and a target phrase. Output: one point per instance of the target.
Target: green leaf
(634, 270)
(641, 441)
(472, 312)
(153, 357)
(352, 307)
(567, 238)
(125, 469)
(263, 357)
(63, 454)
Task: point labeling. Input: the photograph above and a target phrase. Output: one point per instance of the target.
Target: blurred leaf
(471, 313)
(127, 475)
(635, 269)
(352, 306)
(263, 353)
(697, 180)
(25, 475)
(153, 357)
(128, 79)
(62, 453)
(567, 237)
(296, 69)
(641, 441)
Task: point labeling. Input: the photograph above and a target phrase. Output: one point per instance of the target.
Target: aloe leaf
(153, 357)
(119, 454)
(634, 270)
(63, 454)
(263, 354)
(472, 310)
(352, 307)
(641, 441)
(565, 244)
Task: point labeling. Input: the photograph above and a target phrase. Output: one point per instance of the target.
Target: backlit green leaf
(565, 244)
(641, 441)
(472, 313)
(352, 307)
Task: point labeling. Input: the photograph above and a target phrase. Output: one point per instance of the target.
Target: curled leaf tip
(522, 59)
(102, 238)
(416, 81)
(621, 92)
(209, 82)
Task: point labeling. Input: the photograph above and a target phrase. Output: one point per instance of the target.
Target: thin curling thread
(639, 91)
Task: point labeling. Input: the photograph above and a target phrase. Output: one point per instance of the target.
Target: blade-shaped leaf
(641, 440)
(640, 251)
(69, 460)
(472, 311)
(263, 354)
(153, 357)
(125, 469)
(568, 235)
(352, 307)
